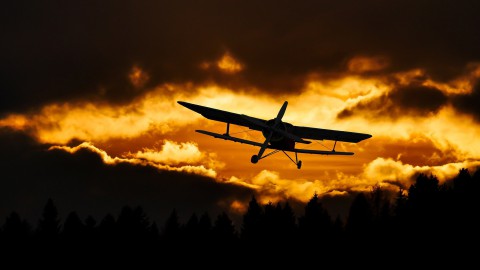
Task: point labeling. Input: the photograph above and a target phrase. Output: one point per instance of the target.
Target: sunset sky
(89, 91)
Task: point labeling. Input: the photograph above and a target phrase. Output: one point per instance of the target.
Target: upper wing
(224, 116)
(258, 124)
(328, 134)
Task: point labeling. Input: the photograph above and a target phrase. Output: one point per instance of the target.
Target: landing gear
(299, 164)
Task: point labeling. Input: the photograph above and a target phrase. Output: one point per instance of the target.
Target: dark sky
(62, 53)
(83, 182)
(58, 51)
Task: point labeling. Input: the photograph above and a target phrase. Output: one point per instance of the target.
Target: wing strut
(228, 130)
(297, 162)
(271, 153)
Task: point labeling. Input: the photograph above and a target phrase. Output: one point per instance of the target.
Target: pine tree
(288, 222)
(224, 230)
(360, 217)
(204, 227)
(171, 230)
(192, 229)
(15, 230)
(252, 226)
(315, 224)
(107, 232)
(49, 224)
(73, 228)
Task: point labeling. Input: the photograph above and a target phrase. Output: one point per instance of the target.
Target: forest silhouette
(430, 216)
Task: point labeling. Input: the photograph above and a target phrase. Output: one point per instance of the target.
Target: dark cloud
(416, 100)
(56, 50)
(469, 103)
(30, 175)
(408, 100)
(419, 98)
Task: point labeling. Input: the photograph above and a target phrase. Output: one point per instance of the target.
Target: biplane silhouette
(279, 135)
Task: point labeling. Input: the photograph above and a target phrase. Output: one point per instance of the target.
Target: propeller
(280, 114)
(272, 129)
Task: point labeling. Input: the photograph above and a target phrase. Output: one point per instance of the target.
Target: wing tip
(365, 136)
(190, 106)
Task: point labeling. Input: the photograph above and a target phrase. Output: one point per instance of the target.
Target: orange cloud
(238, 207)
(318, 106)
(60, 123)
(138, 77)
(228, 64)
(360, 64)
(15, 122)
(385, 172)
(460, 85)
(173, 153)
(389, 170)
(164, 165)
(157, 110)
(272, 187)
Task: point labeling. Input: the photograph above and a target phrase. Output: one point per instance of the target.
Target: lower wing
(305, 151)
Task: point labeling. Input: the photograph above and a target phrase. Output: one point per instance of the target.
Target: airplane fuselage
(278, 140)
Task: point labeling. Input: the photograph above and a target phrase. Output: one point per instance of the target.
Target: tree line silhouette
(429, 215)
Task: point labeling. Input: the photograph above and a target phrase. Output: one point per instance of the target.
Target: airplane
(279, 135)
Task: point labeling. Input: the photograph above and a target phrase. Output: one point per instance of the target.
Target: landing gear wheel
(299, 164)
(254, 159)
